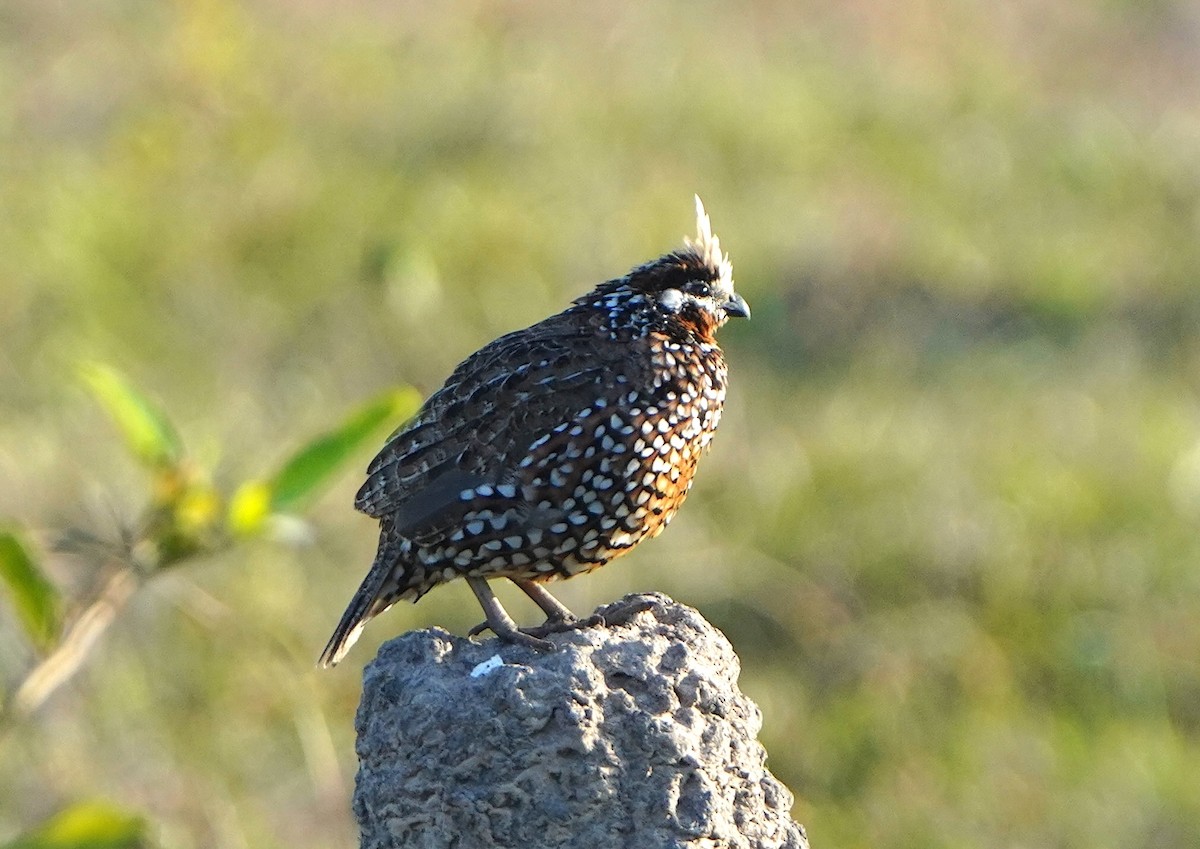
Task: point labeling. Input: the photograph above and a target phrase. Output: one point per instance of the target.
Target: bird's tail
(376, 594)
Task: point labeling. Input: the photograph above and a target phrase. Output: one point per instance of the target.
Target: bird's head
(694, 285)
(691, 288)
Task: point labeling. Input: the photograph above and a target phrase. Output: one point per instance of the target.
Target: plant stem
(58, 667)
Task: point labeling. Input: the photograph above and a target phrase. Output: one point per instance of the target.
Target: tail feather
(376, 594)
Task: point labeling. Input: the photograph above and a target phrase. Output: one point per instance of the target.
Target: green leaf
(86, 825)
(34, 597)
(147, 431)
(314, 464)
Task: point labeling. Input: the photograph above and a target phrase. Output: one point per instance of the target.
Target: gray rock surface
(634, 734)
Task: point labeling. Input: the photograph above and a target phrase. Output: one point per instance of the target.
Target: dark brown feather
(555, 448)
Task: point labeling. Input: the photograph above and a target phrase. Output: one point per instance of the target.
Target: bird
(554, 449)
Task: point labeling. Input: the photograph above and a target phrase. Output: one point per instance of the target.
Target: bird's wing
(476, 429)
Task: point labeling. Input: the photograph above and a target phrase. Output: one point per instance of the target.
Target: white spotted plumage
(555, 448)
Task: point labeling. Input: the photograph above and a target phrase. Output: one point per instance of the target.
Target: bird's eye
(702, 290)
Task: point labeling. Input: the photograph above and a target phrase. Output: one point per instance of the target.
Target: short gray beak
(737, 307)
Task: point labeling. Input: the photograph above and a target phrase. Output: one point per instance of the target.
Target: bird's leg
(558, 616)
(554, 609)
(498, 619)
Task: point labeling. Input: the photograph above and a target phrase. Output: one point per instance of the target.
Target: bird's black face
(687, 290)
(690, 290)
(708, 304)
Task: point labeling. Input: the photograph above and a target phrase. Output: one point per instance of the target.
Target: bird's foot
(520, 637)
(533, 636)
(559, 624)
(621, 611)
(499, 621)
(515, 636)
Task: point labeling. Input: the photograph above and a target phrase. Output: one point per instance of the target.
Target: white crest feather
(708, 246)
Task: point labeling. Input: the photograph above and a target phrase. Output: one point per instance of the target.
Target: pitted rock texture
(633, 735)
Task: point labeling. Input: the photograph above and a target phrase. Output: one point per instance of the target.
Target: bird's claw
(532, 636)
(620, 612)
(557, 625)
(516, 636)
(519, 637)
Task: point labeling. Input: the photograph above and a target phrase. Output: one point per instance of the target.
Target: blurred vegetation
(185, 518)
(950, 522)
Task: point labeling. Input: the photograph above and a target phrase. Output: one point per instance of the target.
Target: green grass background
(950, 522)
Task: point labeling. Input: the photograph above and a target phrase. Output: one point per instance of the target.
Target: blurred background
(950, 521)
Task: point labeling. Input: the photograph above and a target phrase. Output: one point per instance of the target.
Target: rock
(633, 734)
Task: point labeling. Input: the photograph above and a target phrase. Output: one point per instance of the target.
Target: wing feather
(482, 422)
